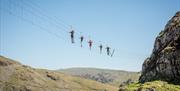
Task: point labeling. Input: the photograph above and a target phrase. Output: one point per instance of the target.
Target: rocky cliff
(164, 62)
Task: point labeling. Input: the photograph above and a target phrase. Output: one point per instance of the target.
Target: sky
(35, 32)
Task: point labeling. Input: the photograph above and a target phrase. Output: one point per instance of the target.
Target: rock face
(164, 62)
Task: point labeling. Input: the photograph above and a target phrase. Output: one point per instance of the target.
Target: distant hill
(17, 77)
(112, 77)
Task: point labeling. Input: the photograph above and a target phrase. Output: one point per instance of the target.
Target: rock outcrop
(164, 62)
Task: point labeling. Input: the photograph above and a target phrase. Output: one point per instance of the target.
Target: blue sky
(128, 26)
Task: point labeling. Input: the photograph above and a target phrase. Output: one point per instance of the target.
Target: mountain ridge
(107, 76)
(17, 77)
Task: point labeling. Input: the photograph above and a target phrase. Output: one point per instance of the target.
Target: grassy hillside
(112, 77)
(17, 77)
(151, 86)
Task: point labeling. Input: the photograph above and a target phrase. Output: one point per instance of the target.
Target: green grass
(156, 85)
